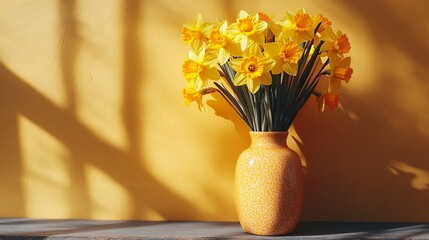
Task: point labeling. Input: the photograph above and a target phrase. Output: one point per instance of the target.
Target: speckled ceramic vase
(268, 185)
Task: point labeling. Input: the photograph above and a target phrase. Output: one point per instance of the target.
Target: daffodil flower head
(286, 54)
(192, 94)
(330, 99)
(222, 44)
(340, 71)
(253, 69)
(336, 44)
(247, 29)
(195, 33)
(298, 26)
(200, 68)
(324, 22)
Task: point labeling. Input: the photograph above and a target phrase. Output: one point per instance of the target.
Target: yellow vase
(268, 185)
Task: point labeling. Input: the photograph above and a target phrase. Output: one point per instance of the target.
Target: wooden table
(19, 228)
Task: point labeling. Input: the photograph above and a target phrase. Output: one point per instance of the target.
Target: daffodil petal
(244, 42)
(242, 14)
(266, 79)
(199, 21)
(290, 69)
(210, 60)
(223, 26)
(223, 56)
(201, 107)
(261, 25)
(278, 68)
(271, 49)
(201, 53)
(259, 38)
(200, 83)
(192, 55)
(212, 74)
(235, 64)
(334, 84)
(240, 79)
(345, 62)
(269, 64)
(254, 50)
(234, 48)
(252, 85)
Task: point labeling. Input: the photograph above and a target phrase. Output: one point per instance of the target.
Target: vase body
(268, 185)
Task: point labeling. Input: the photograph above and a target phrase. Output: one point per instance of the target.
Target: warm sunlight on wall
(93, 124)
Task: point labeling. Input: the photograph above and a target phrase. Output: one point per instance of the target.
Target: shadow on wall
(222, 109)
(125, 167)
(371, 161)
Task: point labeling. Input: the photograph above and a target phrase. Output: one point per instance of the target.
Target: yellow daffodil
(195, 33)
(286, 54)
(330, 99)
(252, 69)
(298, 27)
(247, 29)
(335, 44)
(340, 71)
(324, 22)
(223, 45)
(275, 28)
(191, 94)
(200, 68)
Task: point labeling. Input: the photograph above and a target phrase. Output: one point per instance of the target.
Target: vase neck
(268, 139)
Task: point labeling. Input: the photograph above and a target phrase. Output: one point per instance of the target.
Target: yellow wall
(93, 125)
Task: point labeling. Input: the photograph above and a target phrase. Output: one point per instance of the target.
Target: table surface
(19, 228)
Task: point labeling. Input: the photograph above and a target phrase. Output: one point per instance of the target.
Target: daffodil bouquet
(267, 69)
